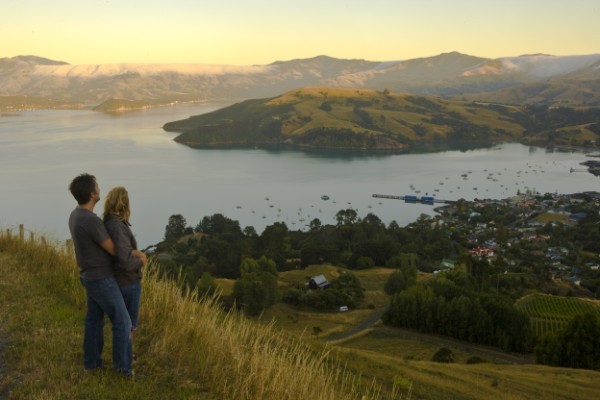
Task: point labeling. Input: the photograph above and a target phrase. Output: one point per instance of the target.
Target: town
(556, 237)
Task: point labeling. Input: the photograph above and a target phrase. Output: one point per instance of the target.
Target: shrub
(365, 263)
(443, 355)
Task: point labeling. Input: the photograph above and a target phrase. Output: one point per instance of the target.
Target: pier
(414, 199)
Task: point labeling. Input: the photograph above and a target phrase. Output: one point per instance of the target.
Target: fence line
(9, 232)
(21, 234)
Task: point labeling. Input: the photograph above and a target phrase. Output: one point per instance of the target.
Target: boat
(325, 197)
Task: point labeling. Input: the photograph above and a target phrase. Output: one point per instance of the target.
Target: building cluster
(526, 231)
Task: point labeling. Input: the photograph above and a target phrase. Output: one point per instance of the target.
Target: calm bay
(42, 150)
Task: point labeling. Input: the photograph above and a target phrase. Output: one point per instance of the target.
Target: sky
(258, 32)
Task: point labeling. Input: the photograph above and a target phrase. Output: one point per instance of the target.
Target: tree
(175, 228)
(250, 232)
(346, 217)
(219, 224)
(407, 262)
(206, 284)
(274, 243)
(365, 263)
(395, 283)
(405, 276)
(443, 355)
(315, 225)
(257, 287)
(576, 346)
(224, 254)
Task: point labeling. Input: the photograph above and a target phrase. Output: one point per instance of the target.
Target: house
(318, 282)
(481, 252)
(579, 216)
(447, 263)
(575, 280)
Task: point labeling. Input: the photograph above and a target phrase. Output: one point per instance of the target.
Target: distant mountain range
(529, 79)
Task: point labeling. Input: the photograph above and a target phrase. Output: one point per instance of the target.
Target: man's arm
(129, 259)
(141, 256)
(109, 246)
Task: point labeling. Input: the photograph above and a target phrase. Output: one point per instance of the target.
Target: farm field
(552, 313)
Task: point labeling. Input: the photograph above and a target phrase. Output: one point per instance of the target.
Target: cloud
(97, 70)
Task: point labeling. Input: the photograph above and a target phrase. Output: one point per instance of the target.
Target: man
(94, 250)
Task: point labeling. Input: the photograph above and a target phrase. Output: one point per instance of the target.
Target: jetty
(414, 199)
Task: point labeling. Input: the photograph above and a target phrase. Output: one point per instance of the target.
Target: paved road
(360, 327)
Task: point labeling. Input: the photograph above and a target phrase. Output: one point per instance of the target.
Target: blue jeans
(104, 296)
(131, 295)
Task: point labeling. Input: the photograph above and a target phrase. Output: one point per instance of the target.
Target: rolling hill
(346, 119)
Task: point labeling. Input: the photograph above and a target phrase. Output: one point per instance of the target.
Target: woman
(129, 261)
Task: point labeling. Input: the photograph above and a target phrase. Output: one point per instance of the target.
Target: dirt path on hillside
(480, 350)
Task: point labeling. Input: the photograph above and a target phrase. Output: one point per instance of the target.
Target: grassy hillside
(188, 348)
(329, 118)
(552, 313)
(404, 356)
(556, 92)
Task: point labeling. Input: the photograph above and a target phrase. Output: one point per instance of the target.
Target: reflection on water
(41, 151)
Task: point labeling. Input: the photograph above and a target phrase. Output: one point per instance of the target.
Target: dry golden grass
(484, 116)
(225, 285)
(430, 380)
(188, 347)
(301, 322)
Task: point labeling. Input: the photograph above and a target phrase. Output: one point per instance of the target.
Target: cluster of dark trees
(405, 275)
(576, 346)
(218, 245)
(343, 291)
(450, 304)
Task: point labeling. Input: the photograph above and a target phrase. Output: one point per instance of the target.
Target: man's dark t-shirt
(87, 232)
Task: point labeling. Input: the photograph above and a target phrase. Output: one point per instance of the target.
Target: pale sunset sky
(247, 32)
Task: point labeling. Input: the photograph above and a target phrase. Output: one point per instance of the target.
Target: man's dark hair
(82, 187)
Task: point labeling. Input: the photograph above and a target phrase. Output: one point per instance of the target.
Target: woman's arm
(126, 254)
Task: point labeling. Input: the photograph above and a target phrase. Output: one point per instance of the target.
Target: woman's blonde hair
(117, 204)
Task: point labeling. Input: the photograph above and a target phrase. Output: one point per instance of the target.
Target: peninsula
(323, 118)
